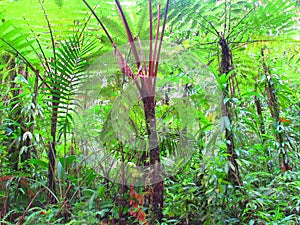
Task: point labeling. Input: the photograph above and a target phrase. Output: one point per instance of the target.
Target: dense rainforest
(150, 112)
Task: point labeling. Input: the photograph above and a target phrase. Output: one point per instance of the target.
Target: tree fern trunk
(157, 186)
(260, 119)
(273, 105)
(226, 67)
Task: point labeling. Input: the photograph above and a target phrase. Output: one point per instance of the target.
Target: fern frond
(71, 62)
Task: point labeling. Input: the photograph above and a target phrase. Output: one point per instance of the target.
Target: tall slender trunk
(122, 201)
(52, 149)
(273, 105)
(260, 118)
(157, 186)
(226, 68)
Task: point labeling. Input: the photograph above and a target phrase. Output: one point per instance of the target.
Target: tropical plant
(145, 80)
(169, 112)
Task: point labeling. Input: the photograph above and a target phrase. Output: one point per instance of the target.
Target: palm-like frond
(239, 20)
(71, 62)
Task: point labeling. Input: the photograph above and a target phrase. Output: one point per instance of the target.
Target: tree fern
(17, 43)
(239, 20)
(28, 16)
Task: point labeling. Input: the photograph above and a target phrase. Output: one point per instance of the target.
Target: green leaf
(60, 171)
(39, 162)
(67, 161)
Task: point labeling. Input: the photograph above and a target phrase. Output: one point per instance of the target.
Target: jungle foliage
(149, 112)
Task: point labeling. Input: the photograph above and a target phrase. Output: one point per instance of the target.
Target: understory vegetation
(150, 112)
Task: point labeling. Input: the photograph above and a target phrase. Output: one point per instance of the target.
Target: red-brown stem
(118, 53)
(160, 44)
(162, 37)
(143, 56)
(156, 39)
(129, 34)
(101, 24)
(150, 38)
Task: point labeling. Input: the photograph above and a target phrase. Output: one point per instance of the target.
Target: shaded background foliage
(47, 45)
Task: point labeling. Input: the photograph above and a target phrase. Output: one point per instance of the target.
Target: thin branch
(213, 27)
(244, 17)
(154, 56)
(229, 18)
(101, 24)
(225, 11)
(151, 36)
(22, 217)
(51, 32)
(86, 23)
(208, 43)
(210, 31)
(253, 41)
(142, 54)
(160, 44)
(237, 35)
(122, 63)
(162, 36)
(46, 64)
(129, 34)
(36, 72)
(243, 43)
